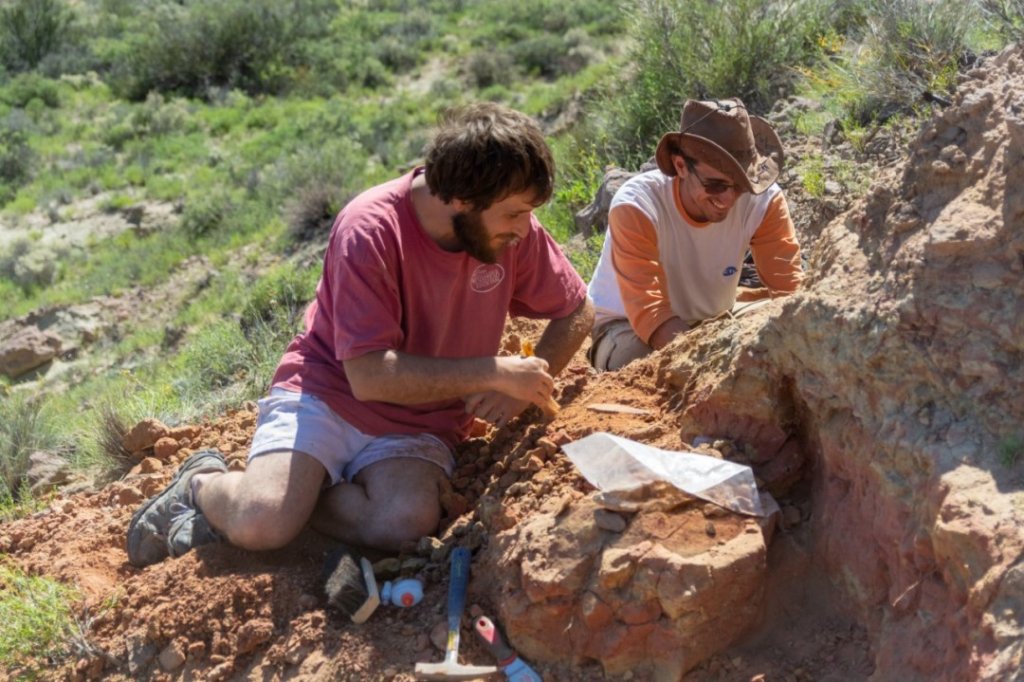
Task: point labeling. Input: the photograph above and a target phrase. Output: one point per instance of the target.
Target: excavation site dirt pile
(879, 410)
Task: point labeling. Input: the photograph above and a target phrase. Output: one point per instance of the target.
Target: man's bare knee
(394, 529)
(263, 531)
(267, 505)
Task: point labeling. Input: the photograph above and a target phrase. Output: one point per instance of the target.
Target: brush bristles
(350, 585)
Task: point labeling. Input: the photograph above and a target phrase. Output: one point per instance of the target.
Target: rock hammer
(450, 668)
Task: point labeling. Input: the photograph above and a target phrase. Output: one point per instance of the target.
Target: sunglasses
(715, 186)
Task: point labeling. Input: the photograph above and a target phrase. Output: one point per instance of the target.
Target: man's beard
(472, 235)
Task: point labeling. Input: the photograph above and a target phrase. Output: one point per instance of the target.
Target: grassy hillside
(252, 122)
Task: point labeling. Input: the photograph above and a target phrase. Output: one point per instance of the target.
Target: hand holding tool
(549, 406)
(450, 669)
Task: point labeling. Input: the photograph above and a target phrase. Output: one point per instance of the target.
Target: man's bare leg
(388, 503)
(265, 506)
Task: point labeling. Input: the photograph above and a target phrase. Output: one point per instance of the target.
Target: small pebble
(439, 636)
(608, 520)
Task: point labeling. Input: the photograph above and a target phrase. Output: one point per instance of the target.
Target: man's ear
(680, 165)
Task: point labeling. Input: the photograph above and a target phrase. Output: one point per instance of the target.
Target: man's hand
(525, 379)
(495, 407)
(669, 329)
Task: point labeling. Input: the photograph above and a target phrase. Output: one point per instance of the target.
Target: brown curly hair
(485, 152)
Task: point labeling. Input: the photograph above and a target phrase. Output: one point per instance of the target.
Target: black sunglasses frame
(712, 187)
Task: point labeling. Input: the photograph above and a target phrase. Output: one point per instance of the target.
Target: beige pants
(614, 344)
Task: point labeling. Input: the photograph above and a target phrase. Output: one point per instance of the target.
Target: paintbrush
(350, 585)
(549, 406)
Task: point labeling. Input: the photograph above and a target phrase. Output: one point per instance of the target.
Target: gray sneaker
(149, 529)
(189, 529)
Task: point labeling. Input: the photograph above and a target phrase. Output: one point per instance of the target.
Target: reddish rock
(185, 432)
(149, 465)
(610, 590)
(165, 448)
(252, 634)
(143, 435)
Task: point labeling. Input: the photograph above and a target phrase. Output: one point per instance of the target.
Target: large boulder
(668, 591)
(27, 349)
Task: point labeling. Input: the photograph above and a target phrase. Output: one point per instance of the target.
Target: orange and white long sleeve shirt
(657, 262)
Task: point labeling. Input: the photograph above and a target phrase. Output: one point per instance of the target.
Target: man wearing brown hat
(677, 236)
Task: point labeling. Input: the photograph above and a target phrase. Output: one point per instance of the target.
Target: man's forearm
(562, 338)
(394, 377)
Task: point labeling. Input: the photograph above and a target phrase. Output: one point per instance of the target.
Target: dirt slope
(221, 613)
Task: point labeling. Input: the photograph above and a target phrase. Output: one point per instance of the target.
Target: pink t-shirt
(387, 285)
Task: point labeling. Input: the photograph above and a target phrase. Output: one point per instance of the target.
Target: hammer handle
(457, 584)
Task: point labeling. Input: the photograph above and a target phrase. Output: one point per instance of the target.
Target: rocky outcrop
(898, 371)
(667, 591)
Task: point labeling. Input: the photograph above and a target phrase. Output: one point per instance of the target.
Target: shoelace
(179, 511)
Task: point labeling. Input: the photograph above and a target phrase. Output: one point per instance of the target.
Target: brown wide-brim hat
(723, 135)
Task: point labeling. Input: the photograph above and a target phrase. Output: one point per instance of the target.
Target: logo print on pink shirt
(486, 278)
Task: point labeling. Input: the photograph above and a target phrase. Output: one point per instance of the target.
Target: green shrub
(36, 620)
(315, 183)
(310, 214)
(705, 49)
(549, 16)
(158, 116)
(16, 157)
(225, 365)
(217, 356)
(1011, 450)
(579, 176)
(1007, 16)
(812, 175)
(404, 40)
(908, 51)
(552, 56)
(29, 267)
(195, 49)
(26, 87)
(25, 426)
(485, 68)
(205, 212)
(282, 296)
(542, 56)
(30, 30)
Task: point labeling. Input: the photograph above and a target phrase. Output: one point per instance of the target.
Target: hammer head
(452, 670)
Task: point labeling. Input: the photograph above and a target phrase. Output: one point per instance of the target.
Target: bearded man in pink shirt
(399, 354)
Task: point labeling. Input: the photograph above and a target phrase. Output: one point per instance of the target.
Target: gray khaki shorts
(290, 421)
(614, 345)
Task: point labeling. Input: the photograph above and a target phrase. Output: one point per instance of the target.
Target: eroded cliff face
(893, 383)
(899, 370)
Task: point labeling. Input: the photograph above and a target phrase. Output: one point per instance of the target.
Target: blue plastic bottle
(405, 593)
